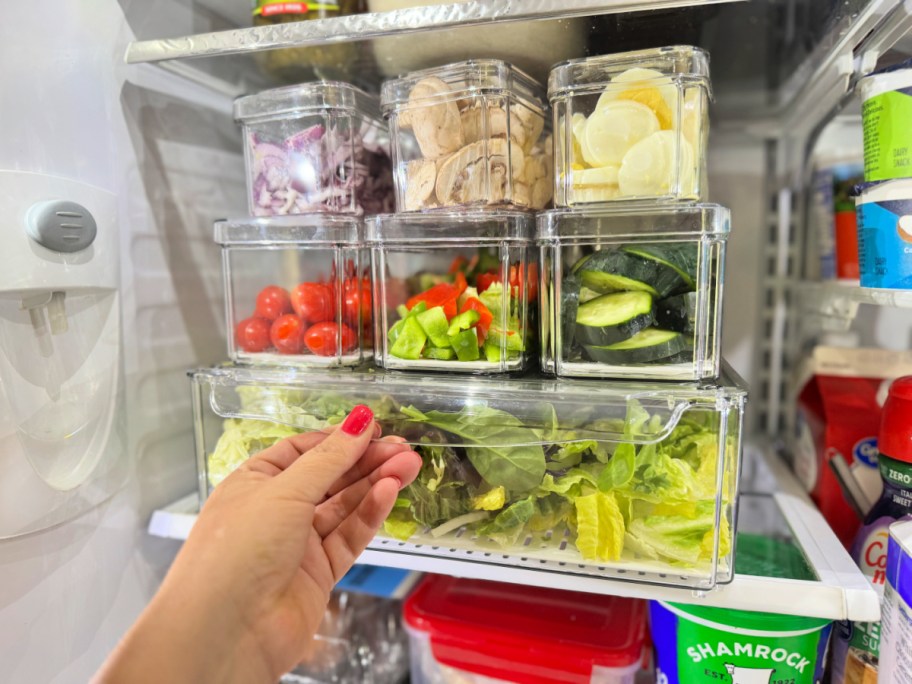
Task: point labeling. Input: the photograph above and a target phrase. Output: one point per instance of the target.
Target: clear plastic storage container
(315, 147)
(628, 481)
(297, 290)
(468, 134)
(475, 632)
(633, 292)
(631, 126)
(454, 291)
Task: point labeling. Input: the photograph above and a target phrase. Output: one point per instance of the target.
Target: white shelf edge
(175, 520)
(841, 300)
(841, 592)
(377, 24)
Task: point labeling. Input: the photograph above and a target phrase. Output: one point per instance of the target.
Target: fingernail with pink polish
(358, 420)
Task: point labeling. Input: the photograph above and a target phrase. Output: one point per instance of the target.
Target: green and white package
(697, 644)
(887, 121)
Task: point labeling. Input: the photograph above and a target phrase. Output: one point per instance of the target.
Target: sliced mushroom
(533, 168)
(436, 125)
(541, 192)
(521, 195)
(473, 125)
(420, 177)
(461, 178)
(532, 122)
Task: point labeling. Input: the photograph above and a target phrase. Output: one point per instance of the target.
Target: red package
(835, 446)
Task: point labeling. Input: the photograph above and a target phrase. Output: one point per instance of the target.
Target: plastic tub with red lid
(476, 632)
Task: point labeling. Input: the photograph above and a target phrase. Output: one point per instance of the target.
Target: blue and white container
(896, 619)
(885, 234)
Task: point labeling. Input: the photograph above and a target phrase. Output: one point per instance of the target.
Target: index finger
(310, 477)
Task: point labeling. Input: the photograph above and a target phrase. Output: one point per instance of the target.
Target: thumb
(312, 475)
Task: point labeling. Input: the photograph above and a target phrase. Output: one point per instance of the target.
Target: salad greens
(653, 496)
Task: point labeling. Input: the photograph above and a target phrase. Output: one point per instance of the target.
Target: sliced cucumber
(585, 294)
(569, 304)
(678, 313)
(616, 271)
(619, 270)
(613, 318)
(681, 257)
(647, 346)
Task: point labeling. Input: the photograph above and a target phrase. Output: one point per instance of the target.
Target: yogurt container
(887, 115)
(885, 234)
(696, 644)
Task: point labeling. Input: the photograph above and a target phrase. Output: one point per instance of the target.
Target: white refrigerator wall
(67, 110)
(172, 156)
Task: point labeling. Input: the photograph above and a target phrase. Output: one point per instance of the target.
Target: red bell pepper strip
(459, 264)
(461, 283)
(442, 294)
(485, 317)
(485, 280)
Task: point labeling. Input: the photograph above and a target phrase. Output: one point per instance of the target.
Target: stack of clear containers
(455, 280)
(297, 283)
(629, 480)
(632, 263)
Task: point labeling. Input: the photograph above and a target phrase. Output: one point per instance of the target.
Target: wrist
(183, 639)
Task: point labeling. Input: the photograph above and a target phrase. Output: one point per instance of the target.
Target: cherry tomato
(287, 334)
(356, 297)
(272, 302)
(313, 302)
(322, 339)
(252, 334)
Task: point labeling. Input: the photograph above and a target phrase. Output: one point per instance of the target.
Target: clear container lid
(462, 228)
(505, 630)
(306, 98)
(589, 74)
(463, 80)
(635, 220)
(550, 411)
(304, 230)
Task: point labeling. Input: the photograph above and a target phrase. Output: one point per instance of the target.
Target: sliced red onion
(319, 169)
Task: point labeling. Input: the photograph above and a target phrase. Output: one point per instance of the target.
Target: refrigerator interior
(158, 137)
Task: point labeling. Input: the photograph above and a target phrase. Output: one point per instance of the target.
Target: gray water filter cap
(61, 226)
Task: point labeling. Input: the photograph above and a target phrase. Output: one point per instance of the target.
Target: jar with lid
(293, 65)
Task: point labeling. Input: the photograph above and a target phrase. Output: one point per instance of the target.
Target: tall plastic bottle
(856, 645)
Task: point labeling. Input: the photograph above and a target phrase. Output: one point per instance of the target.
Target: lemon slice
(655, 100)
(648, 86)
(578, 126)
(612, 130)
(693, 117)
(585, 195)
(587, 178)
(651, 168)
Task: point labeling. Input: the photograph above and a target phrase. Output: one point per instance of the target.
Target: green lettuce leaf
(401, 524)
(599, 527)
(241, 438)
(508, 527)
(619, 470)
(518, 469)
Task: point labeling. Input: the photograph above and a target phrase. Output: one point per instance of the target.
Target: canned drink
(896, 617)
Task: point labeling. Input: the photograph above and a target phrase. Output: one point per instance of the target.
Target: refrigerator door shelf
(840, 591)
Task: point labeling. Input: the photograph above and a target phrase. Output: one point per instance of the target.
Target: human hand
(247, 592)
